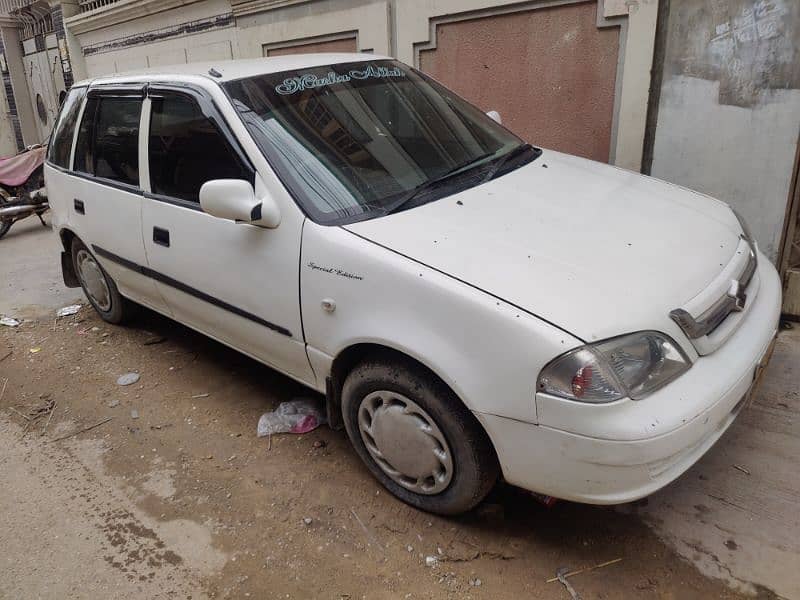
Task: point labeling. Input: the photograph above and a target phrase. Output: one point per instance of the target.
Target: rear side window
(64, 131)
(186, 149)
(108, 140)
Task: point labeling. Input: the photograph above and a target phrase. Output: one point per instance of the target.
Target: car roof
(233, 69)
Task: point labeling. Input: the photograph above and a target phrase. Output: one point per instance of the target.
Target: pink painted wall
(344, 45)
(550, 72)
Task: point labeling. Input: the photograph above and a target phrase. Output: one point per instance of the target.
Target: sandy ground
(175, 497)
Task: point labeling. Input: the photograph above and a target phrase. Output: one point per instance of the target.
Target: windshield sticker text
(334, 271)
(309, 81)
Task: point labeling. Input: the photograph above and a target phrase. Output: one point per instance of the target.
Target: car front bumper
(636, 448)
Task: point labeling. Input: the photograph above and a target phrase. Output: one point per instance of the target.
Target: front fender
(488, 351)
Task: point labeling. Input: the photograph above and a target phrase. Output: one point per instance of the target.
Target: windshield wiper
(425, 185)
(503, 160)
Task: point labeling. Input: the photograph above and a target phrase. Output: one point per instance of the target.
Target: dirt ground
(176, 497)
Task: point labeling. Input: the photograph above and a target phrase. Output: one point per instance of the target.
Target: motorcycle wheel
(4, 225)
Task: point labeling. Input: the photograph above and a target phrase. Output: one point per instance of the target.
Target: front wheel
(416, 437)
(100, 289)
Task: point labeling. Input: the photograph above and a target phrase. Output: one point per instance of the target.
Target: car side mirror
(236, 200)
(495, 116)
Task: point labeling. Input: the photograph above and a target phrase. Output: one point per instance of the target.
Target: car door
(106, 206)
(238, 283)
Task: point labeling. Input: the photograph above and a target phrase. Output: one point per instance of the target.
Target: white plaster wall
(741, 155)
(212, 45)
(156, 20)
(370, 19)
(209, 45)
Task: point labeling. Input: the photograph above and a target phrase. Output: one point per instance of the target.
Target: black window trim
(118, 90)
(144, 90)
(210, 110)
(123, 187)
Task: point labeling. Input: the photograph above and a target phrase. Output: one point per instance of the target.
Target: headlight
(631, 366)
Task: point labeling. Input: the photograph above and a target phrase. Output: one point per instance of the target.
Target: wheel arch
(67, 267)
(66, 236)
(350, 356)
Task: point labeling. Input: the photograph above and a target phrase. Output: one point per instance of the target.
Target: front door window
(186, 149)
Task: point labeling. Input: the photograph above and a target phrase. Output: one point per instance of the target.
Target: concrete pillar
(634, 92)
(10, 133)
(70, 47)
(16, 86)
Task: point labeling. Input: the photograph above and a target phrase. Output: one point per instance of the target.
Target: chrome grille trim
(733, 301)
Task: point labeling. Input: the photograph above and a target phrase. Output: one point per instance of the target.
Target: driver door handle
(161, 237)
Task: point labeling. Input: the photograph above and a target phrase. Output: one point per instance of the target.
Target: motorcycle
(22, 191)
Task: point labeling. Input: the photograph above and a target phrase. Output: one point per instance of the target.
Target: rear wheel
(100, 289)
(416, 437)
(5, 225)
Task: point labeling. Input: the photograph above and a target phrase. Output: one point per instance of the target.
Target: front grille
(697, 329)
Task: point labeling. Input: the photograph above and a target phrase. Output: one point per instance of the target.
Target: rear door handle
(79, 207)
(161, 237)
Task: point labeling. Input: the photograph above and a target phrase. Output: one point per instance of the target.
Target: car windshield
(357, 140)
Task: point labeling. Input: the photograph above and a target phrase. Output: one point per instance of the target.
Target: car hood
(596, 250)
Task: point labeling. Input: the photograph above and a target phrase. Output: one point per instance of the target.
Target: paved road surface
(735, 516)
(30, 271)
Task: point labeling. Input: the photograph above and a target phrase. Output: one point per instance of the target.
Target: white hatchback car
(470, 305)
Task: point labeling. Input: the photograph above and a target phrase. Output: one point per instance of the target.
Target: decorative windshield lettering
(309, 81)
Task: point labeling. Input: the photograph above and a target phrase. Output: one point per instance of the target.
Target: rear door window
(108, 140)
(186, 149)
(63, 133)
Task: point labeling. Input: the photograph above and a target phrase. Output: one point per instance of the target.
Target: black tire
(475, 466)
(121, 310)
(4, 225)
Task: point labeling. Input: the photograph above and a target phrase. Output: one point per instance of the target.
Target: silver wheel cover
(93, 279)
(405, 442)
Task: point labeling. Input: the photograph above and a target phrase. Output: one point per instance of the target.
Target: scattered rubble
(68, 310)
(87, 428)
(128, 379)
